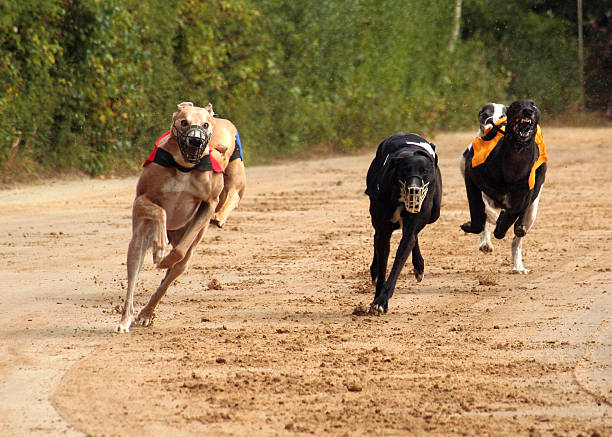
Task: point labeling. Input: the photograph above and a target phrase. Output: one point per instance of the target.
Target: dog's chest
(186, 184)
(397, 214)
(502, 200)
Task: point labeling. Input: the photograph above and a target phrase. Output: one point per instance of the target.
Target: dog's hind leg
(140, 242)
(492, 215)
(144, 209)
(524, 224)
(145, 316)
(233, 191)
(231, 202)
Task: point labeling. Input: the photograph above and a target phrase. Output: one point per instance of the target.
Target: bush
(90, 84)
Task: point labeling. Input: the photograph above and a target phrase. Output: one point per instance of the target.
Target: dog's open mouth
(524, 127)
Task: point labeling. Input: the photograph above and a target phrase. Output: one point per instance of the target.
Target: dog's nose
(528, 112)
(195, 142)
(414, 181)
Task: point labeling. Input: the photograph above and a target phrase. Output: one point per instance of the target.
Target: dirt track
(472, 350)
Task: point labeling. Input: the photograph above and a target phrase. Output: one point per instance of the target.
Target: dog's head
(523, 118)
(414, 169)
(192, 128)
(489, 114)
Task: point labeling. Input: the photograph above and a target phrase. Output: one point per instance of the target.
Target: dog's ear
(184, 105)
(209, 108)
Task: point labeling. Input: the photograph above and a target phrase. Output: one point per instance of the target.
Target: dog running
(488, 115)
(177, 196)
(505, 169)
(404, 185)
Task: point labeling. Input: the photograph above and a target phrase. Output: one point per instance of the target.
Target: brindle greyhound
(176, 198)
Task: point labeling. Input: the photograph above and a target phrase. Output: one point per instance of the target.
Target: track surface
(277, 350)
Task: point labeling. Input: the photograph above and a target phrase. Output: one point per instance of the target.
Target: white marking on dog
(485, 236)
(517, 242)
(425, 146)
(179, 184)
(498, 112)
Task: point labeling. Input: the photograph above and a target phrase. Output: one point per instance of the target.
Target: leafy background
(88, 85)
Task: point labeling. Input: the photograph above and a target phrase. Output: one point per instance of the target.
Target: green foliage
(90, 84)
(536, 51)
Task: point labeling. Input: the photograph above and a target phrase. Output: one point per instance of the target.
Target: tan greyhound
(176, 198)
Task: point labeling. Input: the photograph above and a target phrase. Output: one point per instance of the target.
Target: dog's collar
(165, 159)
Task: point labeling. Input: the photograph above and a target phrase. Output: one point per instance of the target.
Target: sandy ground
(259, 336)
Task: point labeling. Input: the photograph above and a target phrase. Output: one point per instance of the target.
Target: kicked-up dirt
(268, 332)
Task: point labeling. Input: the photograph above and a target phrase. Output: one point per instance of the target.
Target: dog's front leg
(478, 216)
(417, 260)
(145, 316)
(381, 302)
(378, 269)
(200, 222)
(504, 221)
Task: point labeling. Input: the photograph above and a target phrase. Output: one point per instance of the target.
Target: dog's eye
(205, 125)
(183, 123)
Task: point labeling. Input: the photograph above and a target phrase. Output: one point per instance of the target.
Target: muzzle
(193, 141)
(413, 196)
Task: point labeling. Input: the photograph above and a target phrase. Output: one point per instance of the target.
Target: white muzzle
(413, 197)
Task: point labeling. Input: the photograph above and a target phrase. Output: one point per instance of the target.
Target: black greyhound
(405, 189)
(511, 175)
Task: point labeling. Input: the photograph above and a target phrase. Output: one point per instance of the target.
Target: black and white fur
(501, 183)
(410, 160)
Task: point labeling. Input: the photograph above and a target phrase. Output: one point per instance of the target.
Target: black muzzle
(193, 141)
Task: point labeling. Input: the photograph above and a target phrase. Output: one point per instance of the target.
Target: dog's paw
(215, 221)
(145, 317)
(379, 306)
(418, 276)
(123, 326)
(468, 228)
(499, 233)
(521, 270)
(169, 260)
(159, 252)
(486, 247)
(376, 310)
